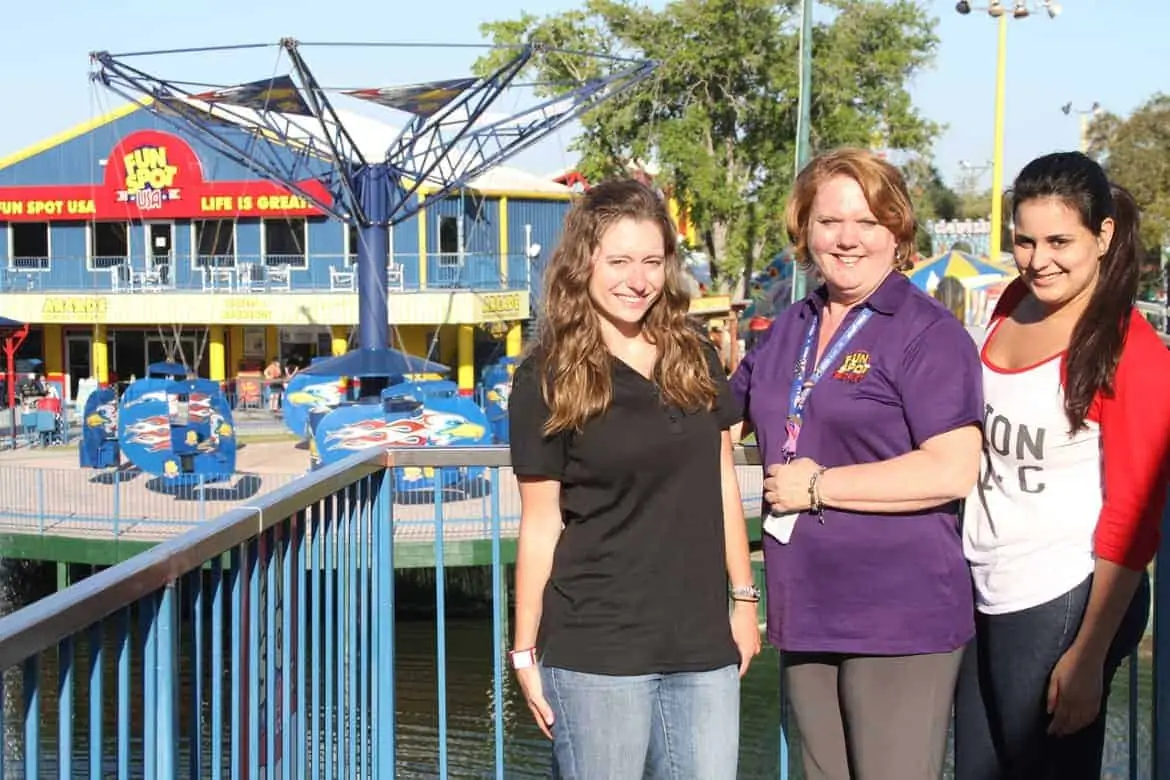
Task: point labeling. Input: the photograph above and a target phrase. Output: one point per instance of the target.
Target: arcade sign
(501, 306)
(152, 175)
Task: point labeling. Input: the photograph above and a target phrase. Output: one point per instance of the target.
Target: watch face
(523, 659)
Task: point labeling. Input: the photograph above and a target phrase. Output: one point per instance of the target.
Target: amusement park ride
(167, 423)
(287, 130)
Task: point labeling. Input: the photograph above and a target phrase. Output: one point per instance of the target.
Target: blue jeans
(1001, 721)
(676, 726)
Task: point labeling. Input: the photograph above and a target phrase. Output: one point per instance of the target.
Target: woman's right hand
(529, 678)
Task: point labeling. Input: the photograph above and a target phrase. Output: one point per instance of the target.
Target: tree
(975, 205)
(1136, 154)
(718, 116)
(932, 198)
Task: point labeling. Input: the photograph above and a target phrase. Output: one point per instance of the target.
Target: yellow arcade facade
(224, 332)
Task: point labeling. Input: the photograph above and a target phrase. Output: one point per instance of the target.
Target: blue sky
(1050, 62)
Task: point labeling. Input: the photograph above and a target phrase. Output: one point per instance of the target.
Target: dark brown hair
(575, 364)
(885, 192)
(1097, 338)
(951, 293)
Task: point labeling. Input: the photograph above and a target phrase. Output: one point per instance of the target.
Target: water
(526, 750)
(470, 705)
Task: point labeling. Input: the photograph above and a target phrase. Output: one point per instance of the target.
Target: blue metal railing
(265, 642)
(33, 427)
(309, 546)
(241, 273)
(35, 499)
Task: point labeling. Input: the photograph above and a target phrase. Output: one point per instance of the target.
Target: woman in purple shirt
(867, 404)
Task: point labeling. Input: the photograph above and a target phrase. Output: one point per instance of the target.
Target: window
(284, 242)
(215, 243)
(109, 244)
(353, 241)
(449, 241)
(28, 246)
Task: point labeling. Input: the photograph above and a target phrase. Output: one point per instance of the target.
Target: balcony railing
(117, 504)
(256, 273)
(271, 635)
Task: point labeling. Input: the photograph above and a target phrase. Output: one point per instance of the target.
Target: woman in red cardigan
(1065, 517)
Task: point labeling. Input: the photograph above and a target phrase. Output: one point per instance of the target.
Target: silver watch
(745, 593)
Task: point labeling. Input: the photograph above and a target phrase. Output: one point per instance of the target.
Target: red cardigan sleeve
(1135, 441)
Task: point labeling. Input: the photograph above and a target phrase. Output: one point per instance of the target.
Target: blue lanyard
(802, 386)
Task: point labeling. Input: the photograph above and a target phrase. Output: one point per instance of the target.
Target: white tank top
(1028, 525)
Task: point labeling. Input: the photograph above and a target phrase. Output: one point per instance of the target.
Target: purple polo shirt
(876, 584)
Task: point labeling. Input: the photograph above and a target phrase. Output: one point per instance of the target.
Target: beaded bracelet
(814, 494)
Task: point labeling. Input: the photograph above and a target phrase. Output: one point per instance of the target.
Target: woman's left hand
(745, 631)
(1074, 692)
(786, 485)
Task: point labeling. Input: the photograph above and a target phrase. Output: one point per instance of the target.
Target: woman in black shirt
(632, 534)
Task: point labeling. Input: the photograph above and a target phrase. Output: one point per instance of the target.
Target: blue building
(123, 239)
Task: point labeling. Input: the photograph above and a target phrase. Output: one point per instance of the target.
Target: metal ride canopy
(367, 362)
(295, 137)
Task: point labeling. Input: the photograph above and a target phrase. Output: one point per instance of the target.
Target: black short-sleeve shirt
(638, 582)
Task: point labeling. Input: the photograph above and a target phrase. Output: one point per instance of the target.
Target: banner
(419, 99)
(276, 94)
(152, 175)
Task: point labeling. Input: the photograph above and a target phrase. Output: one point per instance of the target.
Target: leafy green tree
(975, 205)
(933, 199)
(718, 116)
(1136, 153)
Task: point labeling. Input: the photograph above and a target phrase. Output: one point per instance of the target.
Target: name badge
(780, 527)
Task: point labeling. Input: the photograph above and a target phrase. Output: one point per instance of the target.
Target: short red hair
(885, 192)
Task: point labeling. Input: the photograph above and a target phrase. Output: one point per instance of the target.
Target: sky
(1107, 51)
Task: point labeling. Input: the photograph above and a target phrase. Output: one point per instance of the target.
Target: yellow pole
(100, 364)
(997, 152)
(514, 341)
(235, 347)
(216, 361)
(340, 335)
(271, 343)
(53, 341)
(465, 355)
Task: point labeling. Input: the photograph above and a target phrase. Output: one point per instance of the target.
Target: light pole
(970, 175)
(805, 95)
(997, 10)
(803, 120)
(1085, 115)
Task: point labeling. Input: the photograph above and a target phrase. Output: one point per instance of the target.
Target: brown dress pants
(872, 717)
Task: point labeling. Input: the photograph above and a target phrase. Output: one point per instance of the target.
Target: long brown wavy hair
(575, 364)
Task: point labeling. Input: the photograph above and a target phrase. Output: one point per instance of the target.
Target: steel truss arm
(438, 135)
(292, 153)
(341, 145)
(451, 163)
(445, 150)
